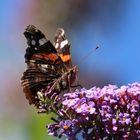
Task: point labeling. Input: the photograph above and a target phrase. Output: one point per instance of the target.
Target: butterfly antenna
(88, 54)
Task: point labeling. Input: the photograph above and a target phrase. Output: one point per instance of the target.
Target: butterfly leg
(69, 85)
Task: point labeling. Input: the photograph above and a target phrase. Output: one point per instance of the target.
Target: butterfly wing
(44, 65)
(63, 47)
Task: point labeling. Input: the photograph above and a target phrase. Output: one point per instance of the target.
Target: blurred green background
(111, 24)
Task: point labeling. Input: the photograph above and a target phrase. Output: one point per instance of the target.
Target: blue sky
(120, 45)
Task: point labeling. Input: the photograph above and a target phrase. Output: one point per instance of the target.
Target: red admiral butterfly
(48, 65)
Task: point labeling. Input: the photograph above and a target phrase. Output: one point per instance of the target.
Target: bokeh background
(114, 25)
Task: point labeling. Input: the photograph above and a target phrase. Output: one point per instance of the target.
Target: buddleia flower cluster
(108, 113)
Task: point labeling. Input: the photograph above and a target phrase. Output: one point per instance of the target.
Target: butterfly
(48, 65)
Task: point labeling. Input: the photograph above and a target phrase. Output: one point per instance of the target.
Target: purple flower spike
(111, 112)
(94, 114)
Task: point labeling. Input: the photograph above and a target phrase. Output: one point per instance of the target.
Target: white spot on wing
(56, 45)
(32, 61)
(42, 41)
(63, 43)
(44, 66)
(52, 67)
(33, 42)
(63, 32)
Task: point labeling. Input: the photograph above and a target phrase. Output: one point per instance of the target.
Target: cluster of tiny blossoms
(109, 113)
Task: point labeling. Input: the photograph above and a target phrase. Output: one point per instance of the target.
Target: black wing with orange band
(44, 65)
